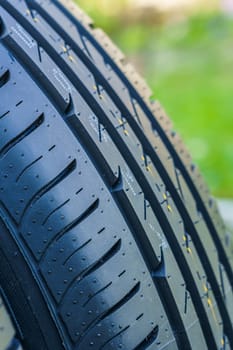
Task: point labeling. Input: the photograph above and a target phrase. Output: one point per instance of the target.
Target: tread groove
(60, 177)
(133, 291)
(71, 225)
(113, 251)
(19, 103)
(150, 338)
(79, 219)
(54, 211)
(96, 293)
(4, 77)
(115, 336)
(27, 167)
(87, 271)
(5, 149)
(75, 251)
(4, 114)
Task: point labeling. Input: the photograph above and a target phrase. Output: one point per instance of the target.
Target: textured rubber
(116, 235)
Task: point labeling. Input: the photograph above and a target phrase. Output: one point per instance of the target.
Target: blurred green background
(185, 51)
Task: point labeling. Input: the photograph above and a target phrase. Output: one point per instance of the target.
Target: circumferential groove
(13, 142)
(150, 338)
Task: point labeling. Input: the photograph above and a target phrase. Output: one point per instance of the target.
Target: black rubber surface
(109, 236)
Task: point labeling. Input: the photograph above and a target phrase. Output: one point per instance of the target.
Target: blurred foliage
(189, 65)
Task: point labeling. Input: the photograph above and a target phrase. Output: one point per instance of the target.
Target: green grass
(194, 80)
(199, 102)
(189, 65)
